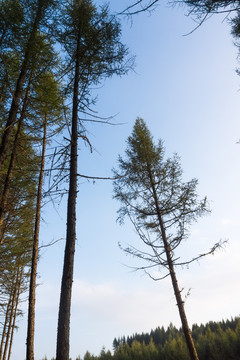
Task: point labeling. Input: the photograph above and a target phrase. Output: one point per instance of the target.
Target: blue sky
(186, 89)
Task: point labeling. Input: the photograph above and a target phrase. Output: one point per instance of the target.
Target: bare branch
(159, 278)
(218, 246)
(148, 7)
(198, 26)
(51, 243)
(97, 177)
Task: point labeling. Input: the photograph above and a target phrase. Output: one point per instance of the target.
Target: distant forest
(214, 341)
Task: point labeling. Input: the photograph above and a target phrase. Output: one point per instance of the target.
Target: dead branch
(148, 7)
(97, 177)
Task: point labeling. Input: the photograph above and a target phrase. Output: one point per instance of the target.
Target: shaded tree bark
(67, 277)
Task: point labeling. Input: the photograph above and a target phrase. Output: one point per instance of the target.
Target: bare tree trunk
(177, 292)
(7, 183)
(33, 276)
(13, 302)
(19, 86)
(15, 314)
(67, 277)
(4, 332)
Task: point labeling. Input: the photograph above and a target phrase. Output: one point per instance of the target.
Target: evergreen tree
(47, 105)
(160, 206)
(15, 250)
(43, 59)
(91, 42)
(213, 341)
(123, 352)
(137, 350)
(151, 351)
(35, 12)
(88, 356)
(11, 23)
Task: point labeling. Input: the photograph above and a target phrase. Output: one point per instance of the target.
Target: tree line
(214, 341)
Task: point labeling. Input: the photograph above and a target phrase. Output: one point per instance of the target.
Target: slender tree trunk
(15, 314)
(177, 292)
(4, 332)
(7, 183)
(67, 277)
(13, 302)
(33, 276)
(19, 86)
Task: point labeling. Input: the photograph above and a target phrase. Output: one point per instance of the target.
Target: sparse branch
(98, 119)
(161, 208)
(97, 177)
(199, 25)
(143, 6)
(51, 243)
(218, 246)
(158, 278)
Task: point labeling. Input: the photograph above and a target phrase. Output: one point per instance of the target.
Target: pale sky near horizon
(187, 91)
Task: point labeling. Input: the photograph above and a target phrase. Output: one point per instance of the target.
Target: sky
(187, 90)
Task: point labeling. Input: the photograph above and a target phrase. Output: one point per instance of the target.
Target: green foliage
(46, 106)
(11, 22)
(97, 36)
(176, 349)
(22, 196)
(15, 251)
(155, 198)
(105, 355)
(215, 340)
(88, 356)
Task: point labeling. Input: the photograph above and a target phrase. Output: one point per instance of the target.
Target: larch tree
(12, 314)
(161, 207)
(43, 59)
(11, 21)
(48, 110)
(91, 42)
(34, 18)
(15, 251)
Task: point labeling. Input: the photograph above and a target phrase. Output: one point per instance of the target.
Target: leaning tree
(161, 207)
